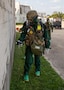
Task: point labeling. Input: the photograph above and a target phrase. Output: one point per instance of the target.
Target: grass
(19, 23)
(49, 79)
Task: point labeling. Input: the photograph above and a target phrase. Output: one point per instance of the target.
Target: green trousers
(29, 60)
(47, 38)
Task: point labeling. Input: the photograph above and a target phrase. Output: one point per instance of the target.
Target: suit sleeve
(24, 31)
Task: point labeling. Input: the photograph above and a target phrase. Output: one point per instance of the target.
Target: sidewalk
(55, 56)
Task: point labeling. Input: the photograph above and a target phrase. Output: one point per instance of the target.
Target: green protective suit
(47, 39)
(47, 35)
(28, 53)
(29, 61)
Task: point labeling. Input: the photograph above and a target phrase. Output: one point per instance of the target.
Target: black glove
(18, 42)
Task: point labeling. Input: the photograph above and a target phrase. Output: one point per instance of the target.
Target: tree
(58, 15)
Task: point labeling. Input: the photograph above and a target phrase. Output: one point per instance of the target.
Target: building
(20, 12)
(62, 24)
(7, 39)
(42, 16)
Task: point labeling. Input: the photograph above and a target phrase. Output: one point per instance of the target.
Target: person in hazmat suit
(48, 34)
(29, 30)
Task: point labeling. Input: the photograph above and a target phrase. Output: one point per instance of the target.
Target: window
(20, 10)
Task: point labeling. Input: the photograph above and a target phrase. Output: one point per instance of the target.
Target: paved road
(56, 55)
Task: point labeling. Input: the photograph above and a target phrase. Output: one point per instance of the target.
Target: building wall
(62, 24)
(21, 11)
(7, 38)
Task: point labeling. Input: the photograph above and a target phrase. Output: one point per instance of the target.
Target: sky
(45, 6)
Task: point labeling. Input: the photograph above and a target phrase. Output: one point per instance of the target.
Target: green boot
(26, 78)
(37, 73)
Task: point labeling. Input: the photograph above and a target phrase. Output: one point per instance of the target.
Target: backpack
(29, 36)
(34, 39)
